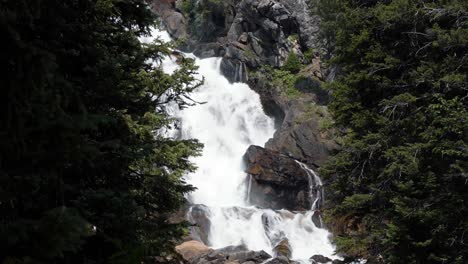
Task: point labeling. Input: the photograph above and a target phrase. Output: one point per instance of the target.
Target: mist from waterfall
(229, 120)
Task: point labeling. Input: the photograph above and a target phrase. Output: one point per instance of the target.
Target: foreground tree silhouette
(84, 175)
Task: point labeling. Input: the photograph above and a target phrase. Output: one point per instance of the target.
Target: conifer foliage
(85, 177)
(400, 180)
(399, 187)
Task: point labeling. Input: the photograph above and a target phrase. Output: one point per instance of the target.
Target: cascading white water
(228, 122)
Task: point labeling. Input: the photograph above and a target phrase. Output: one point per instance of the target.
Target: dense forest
(86, 176)
(400, 180)
(83, 179)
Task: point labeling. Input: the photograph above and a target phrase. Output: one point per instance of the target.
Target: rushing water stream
(232, 119)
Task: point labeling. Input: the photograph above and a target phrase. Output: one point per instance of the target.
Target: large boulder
(248, 255)
(192, 250)
(320, 259)
(303, 140)
(221, 256)
(279, 182)
(196, 252)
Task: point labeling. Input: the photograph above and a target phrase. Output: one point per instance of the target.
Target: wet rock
(337, 261)
(279, 260)
(234, 69)
(320, 259)
(221, 256)
(317, 219)
(207, 50)
(283, 249)
(244, 256)
(198, 216)
(278, 181)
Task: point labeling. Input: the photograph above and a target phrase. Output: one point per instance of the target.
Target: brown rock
(192, 250)
(278, 182)
(283, 249)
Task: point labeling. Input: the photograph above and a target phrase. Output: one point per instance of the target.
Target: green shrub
(293, 63)
(309, 55)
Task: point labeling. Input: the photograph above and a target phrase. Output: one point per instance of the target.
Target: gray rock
(320, 259)
(303, 141)
(173, 21)
(279, 260)
(207, 50)
(196, 252)
(176, 25)
(198, 216)
(337, 261)
(244, 38)
(244, 256)
(317, 219)
(232, 249)
(299, 133)
(308, 24)
(263, 25)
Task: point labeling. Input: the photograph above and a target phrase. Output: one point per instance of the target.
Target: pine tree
(398, 188)
(84, 175)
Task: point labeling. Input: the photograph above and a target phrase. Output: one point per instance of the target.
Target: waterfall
(228, 122)
(249, 188)
(315, 187)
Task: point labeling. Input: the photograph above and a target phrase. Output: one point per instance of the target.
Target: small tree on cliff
(293, 63)
(84, 177)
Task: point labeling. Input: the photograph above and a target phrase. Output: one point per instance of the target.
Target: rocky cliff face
(246, 33)
(302, 118)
